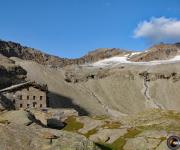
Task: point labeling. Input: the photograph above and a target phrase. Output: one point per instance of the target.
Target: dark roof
(25, 85)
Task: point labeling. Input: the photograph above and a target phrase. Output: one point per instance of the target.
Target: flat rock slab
(89, 124)
(153, 134)
(141, 143)
(162, 146)
(108, 135)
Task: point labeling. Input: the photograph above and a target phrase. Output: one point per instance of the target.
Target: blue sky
(71, 28)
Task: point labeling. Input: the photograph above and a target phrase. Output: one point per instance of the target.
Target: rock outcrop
(157, 52)
(53, 118)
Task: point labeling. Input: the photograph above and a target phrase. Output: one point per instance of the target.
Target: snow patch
(134, 53)
(124, 60)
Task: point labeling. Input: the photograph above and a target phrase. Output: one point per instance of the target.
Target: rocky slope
(127, 101)
(11, 49)
(158, 52)
(123, 89)
(113, 90)
(107, 90)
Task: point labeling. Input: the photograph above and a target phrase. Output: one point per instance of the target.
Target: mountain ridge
(156, 52)
(12, 49)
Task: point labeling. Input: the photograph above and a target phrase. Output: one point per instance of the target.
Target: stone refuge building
(25, 95)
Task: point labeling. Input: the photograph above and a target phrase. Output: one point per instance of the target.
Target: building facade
(26, 95)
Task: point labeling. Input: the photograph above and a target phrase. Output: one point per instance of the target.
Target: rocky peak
(158, 52)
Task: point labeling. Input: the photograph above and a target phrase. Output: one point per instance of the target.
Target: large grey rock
(162, 146)
(141, 143)
(108, 135)
(18, 137)
(19, 117)
(53, 117)
(62, 113)
(154, 134)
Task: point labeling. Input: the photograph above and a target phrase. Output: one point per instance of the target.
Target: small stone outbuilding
(25, 95)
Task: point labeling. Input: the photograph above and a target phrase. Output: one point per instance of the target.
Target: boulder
(53, 118)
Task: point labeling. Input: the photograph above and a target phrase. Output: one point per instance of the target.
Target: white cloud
(159, 30)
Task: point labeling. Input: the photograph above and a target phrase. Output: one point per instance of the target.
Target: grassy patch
(172, 115)
(111, 125)
(91, 132)
(4, 122)
(72, 124)
(167, 128)
(120, 142)
(100, 117)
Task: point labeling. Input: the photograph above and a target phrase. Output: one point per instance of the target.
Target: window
(27, 97)
(21, 105)
(40, 105)
(41, 97)
(34, 97)
(34, 104)
(20, 97)
(27, 105)
(28, 89)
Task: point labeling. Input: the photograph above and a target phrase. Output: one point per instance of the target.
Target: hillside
(106, 81)
(125, 99)
(116, 88)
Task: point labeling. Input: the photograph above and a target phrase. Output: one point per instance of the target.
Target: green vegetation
(111, 125)
(4, 122)
(100, 117)
(172, 115)
(91, 132)
(72, 124)
(171, 124)
(120, 142)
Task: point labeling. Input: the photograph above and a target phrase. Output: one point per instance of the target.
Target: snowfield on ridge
(124, 60)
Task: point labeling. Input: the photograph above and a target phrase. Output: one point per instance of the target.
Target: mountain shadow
(6, 103)
(59, 101)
